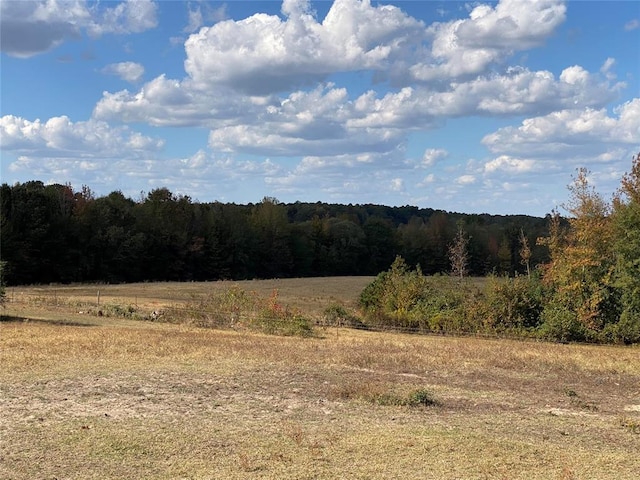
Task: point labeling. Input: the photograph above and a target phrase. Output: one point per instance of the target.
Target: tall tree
(583, 259)
(626, 219)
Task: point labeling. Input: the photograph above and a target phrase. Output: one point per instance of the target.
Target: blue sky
(463, 106)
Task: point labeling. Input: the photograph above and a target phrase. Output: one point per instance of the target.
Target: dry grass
(124, 399)
(311, 295)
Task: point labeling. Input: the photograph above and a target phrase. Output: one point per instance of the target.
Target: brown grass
(125, 399)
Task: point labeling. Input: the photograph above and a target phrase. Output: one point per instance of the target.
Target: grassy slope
(123, 399)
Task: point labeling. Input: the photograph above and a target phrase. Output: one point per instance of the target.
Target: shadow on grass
(16, 319)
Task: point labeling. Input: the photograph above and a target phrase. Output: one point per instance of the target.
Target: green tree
(271, 230)
(626, 221)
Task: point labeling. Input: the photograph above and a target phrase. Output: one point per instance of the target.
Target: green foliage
(221, 309)
(560, 323)
(420, 397)
(415, 398)
(54, 234)
(626, 221)
(513, 304)
(406, 299)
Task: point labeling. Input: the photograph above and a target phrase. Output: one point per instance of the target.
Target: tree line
(56, 234)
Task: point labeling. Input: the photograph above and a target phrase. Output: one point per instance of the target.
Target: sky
(469, 107)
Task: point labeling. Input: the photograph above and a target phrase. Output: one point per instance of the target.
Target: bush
(235, 308)
(408, 300)
(626, 330)
(561, 324)
(513, 304)
(337, 316)
(276, 319)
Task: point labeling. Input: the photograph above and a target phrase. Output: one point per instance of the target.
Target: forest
(58, 234)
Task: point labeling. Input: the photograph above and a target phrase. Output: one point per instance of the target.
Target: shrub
(561, 324)
(337, 315)
(408, 300)
(513, 304)
(626, 330)
(235, 308)
(420, 397)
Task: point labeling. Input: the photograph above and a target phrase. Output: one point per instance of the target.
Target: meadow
(84, 396)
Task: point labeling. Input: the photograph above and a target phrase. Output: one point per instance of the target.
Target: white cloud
(432, 156)
(129, 71)
(505, 163)
(60, 137)
(606, 66)
(130, 16)
(325, 121)
(468, 47)
(428, 180)
(553, 145)
(567, 129)
(264, 54)
(32, 27)
(397, 185)
(465, 180)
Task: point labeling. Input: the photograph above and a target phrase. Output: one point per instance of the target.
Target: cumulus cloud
(129, 71)
(264, 54)
(508, 164)
(33, 27)
(468, 47)
(465, 179)
(267, 54)
(60, 137)
(556, 143)
(569, 128)
(325, 120)
(432, 156)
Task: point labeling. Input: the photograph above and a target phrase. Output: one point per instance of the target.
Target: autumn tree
(459, 253)
(582, 263)
(525, 252)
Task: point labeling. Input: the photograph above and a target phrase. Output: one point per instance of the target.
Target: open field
(311, 295)
(108, 398)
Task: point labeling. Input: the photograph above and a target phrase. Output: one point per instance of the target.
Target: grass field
(85, 397)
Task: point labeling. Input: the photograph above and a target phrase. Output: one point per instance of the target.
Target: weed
(631, 425)
(383, 394)
(236, 308)
(420, 397)
(578, 402)
(337, 316)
